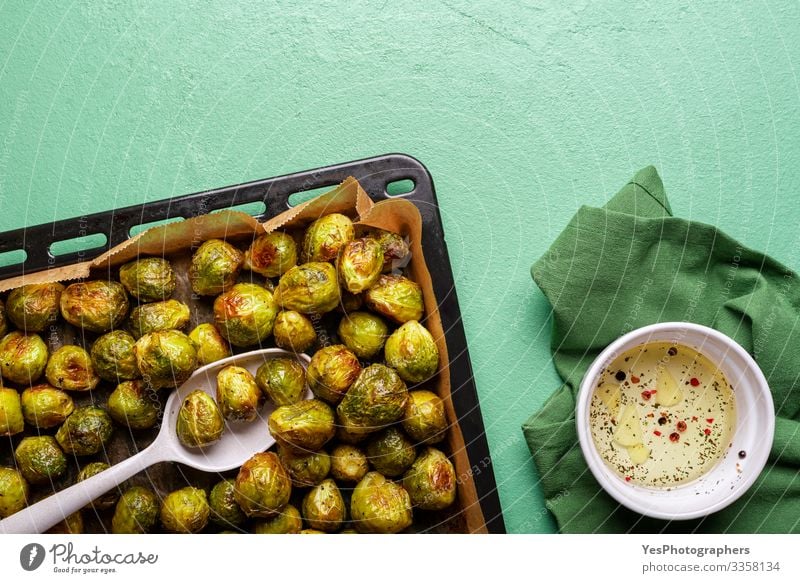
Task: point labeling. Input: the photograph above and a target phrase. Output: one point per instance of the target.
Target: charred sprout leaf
(96, 306)
(11, 417)
(215, 267)
(35, 306)
(363, 333)
(107, 500)
(305, 469)
(13, 492)
(262, 487)
(44, 406)
(425, 420)
(325, 236)
(23, 357)
(165, 358)
(70, 368)
(324, 508)
(293, 331)
(225, 511)
(40, 460)
(412, 352)
(245, 314)
(377, 398)
(431, 481)
(200, 421)
(272, 254)
(288, 521)
(332, 371)
(166, 315)
(209, 343)
(136, 511)
(72, 524)
(113, 358)
(380, 506)
(393, 246)
(238, 394)
(134, 405)
(283, 380)
(359, 264)
(396, 297)
(149, 279)
(86, 431)
(348, 464)
(311, 288)
(185, 510)
(391, 452)
(304, 427)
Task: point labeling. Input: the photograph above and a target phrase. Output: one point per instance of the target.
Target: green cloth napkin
(630, 264)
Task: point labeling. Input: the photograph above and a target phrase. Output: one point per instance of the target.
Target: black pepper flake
(662, 420)
(742, 454)
(620, 376)
(672, 351)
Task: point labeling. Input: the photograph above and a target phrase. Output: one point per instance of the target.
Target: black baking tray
(375, 175)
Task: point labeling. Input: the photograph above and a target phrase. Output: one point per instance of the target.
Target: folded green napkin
(630, 264)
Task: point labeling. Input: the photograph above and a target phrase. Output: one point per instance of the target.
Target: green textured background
(522, 113)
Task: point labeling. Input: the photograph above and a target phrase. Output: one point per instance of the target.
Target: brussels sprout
(44, 406)
(107, 500)
(3, 322)
(376, 399)
(396, 297)
(136, 511)
(166, 315)
(412, 352)
(35, 306)
(133, 405)
(23, 357)
(293, 331)
(210, 344)
(165, 358)
(13, 492)
(431, 481)
(380, 506)
(40, 460)
(287, 522)
(86, 431)
(70, 368)
(12, 420)
(391, 452)
(245, 314)
(348, 463)
(199, 420)
(350, 302)
(363, 333)
(149, 279)
(224, 509)
(305, 469)
(425, 419)
(96, 306)
(238, 395)
(393, 246)
(215, 267)
(185, 510)
(332, 371)
(305, 426)
(359, 265)
(325, 236)
(324, 508)
(72, 524)
(311, 288)
(263, 487)
(283, 380)
(271, 255)
(112, 357)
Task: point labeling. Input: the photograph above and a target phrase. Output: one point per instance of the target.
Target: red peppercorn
(634, 379)
(673, 437)
(710, 420)
(657, 432)
(681, 426)
(694, 382)
(707, 431)
(627, 478)
(646, 395)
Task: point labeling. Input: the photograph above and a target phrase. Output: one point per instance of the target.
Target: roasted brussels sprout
(359, 264)
(165, 358)
(431, 481)
(396, 297)
(39, 459)
(304, 427)
(107, 500)
(113, 359)
(185, 510)
(311, 288)
(311, 531)
(13, 492)
(238, 395)
(215, 267)
(324, 508)
(136, 511)
(348, 464)
(288, 521)
(350, 302)
(412, 352)
(263, 487)
(70, 368)
(393, 246)
(283, 380)
(149, 279)
(86, 431)
(363, 333)
(224, 509)
(380, 506)
(96, 306)
(210, 344)
(293, 331)
(44, 406)
(325, 236)
(425, 420)
(391, 452)
(35, 306)
(166, 315)
(272, 254)
(23, 357)
(305, 469)
(12, 420)
(377, 398)
(199, 420)
(245, 314)
(332, 371)
(133, 405)
(72, 524)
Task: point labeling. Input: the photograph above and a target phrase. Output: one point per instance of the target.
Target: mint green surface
(521, 112)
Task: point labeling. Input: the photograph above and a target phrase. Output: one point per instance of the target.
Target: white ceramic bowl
(753, 433)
